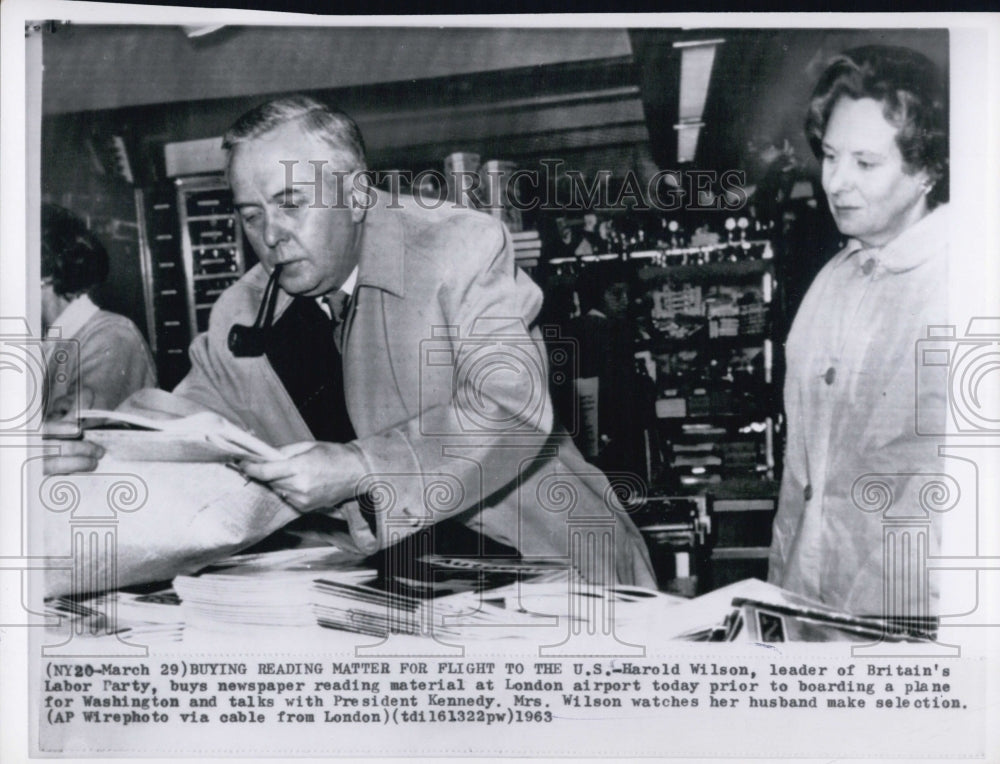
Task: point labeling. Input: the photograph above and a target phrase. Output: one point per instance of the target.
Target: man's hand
(313, 476)
(67, 406)
(74, 455)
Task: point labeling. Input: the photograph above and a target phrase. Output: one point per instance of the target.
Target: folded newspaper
(133, 521)
(200, 437)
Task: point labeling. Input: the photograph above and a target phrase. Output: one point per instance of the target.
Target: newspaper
(578, 669)
(194, 438)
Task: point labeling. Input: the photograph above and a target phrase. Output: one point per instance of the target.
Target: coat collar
(913, 247)
(73, 318)
(380, 263)
(918, 243)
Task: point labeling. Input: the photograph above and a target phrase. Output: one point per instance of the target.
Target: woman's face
(872, 195)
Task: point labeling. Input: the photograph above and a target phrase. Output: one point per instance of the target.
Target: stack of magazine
(801, 620)
(153, 615)
(755, 611)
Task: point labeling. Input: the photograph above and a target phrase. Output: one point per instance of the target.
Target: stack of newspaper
(470, 598)
(449, 596)
(269, 589)
(461, 598)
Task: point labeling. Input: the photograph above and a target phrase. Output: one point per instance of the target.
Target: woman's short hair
(332, 126)
(72, 257)
(914, 97)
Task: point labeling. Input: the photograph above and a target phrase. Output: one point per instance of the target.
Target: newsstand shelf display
(711, 341)
(706, 322)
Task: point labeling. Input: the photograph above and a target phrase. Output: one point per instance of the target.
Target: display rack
(211, 243)
(192, 250)
(723, 438)
(708, 318)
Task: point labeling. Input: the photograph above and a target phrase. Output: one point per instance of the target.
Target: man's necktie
(305, 357)
(338, 303)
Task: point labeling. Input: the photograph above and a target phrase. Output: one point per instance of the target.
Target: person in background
(878, 122)
(106, 358)
(113, 360)
(605, 343)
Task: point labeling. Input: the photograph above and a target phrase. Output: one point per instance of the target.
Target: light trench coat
(852, 397)
(446, 388)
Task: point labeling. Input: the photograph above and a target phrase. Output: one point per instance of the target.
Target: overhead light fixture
(200, 30)
(697, 59)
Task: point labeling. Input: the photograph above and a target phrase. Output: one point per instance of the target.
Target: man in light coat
(444, 383)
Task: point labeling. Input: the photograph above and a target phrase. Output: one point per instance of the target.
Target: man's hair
(72, 256)
(334, 127)
(914, 99)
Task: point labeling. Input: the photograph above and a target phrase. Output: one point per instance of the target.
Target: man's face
(872, 196)
(313, 233)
